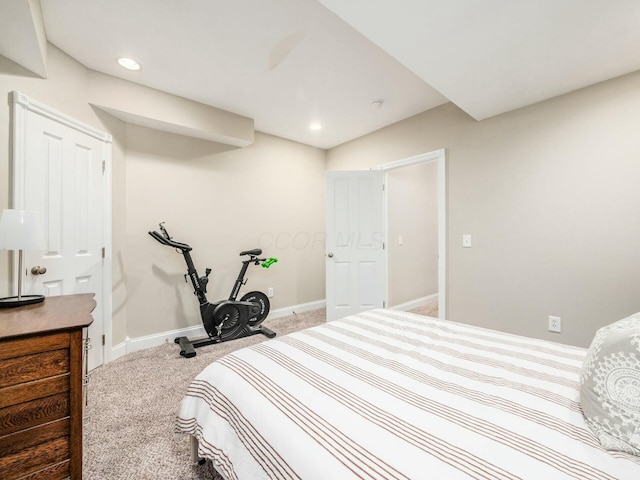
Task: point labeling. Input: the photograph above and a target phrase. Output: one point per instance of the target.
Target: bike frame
(195, 279)
(192, 273)
(215, 314)
(240, 281)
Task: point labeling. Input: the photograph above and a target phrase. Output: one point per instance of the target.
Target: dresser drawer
(33, 413)
(38, 442)
(34, 458)
(33, 367)
(59, 471)
(25, 392)
(27, 346)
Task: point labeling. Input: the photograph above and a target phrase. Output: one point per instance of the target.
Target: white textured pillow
(610, 385)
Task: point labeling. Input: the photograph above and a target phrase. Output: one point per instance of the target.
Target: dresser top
(65, 312)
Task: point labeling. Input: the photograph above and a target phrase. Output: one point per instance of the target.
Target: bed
(393, 395)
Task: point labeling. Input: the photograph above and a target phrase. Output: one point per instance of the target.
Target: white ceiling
(287, 63)
(493, 56)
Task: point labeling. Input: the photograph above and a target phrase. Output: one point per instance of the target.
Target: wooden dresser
(42, 373)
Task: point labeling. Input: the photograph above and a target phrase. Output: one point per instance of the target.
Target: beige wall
(268, 195)
(219, 199)
(550, 195)
(412, 213)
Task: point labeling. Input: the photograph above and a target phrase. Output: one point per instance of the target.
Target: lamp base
(11, 302)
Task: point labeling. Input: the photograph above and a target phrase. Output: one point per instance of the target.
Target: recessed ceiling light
(129, 63)
(315, 126)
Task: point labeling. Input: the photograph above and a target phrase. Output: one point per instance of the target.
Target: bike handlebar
(167, 241)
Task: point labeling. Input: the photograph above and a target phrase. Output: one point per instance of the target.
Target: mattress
(393, 395)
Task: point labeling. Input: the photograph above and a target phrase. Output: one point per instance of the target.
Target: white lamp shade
(21, 230)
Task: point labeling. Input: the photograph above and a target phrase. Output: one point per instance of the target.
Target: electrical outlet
(270, 292)
(555, 324)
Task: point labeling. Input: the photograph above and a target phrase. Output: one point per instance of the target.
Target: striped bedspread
(394, 395)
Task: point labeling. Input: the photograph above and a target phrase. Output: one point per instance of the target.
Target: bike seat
(254, 252)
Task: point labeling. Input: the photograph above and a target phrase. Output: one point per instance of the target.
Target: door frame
(438, 156)
(22, 105)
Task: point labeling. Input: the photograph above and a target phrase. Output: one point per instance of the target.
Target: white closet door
(60, 173)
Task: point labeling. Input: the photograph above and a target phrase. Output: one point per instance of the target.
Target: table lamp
(21, 230)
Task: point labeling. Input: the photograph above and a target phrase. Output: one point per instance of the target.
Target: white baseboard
(303, 307)
(118, 351)
(140, 343)
(418, 302)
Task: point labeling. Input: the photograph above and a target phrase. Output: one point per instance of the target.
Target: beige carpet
(132, 402)
(429, 310)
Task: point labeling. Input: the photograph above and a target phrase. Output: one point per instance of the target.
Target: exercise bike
(226, 319)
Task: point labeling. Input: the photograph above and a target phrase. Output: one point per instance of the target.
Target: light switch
(399, 239)
(466, 240)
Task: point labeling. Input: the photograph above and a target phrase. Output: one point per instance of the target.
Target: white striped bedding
(394, 395)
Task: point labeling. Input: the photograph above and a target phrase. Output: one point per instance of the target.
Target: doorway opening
(416, 232)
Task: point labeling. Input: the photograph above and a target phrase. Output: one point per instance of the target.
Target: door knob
(330, 254)
(38, 270)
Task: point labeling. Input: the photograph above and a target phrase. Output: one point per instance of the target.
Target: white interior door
(59, 172)
(356, 269)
